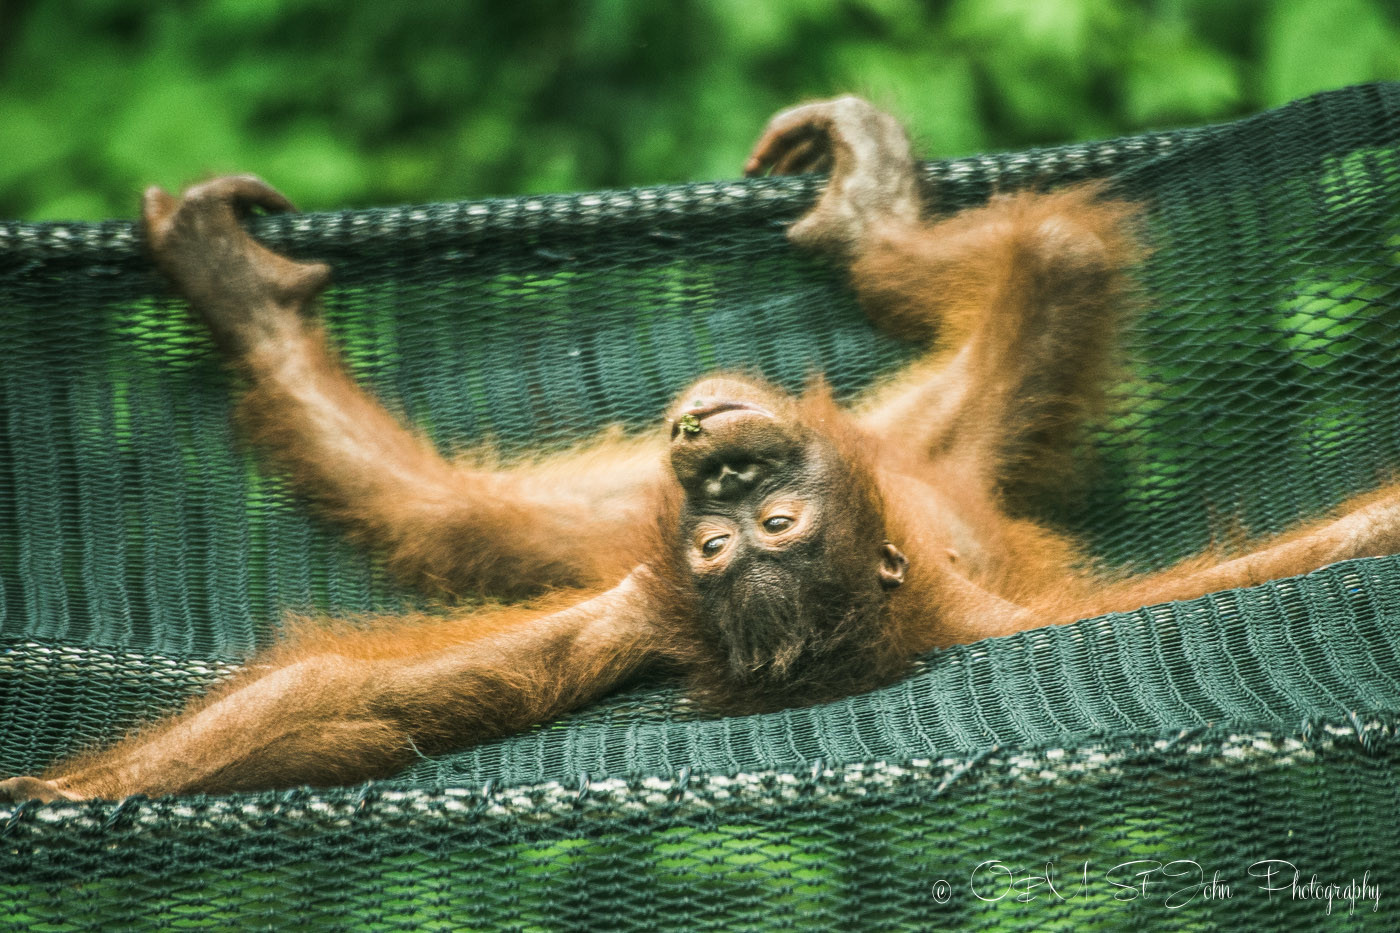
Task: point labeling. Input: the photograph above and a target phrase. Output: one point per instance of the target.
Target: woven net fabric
(1172, 766)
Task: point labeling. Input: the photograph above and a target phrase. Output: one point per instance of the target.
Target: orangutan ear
(893, 565)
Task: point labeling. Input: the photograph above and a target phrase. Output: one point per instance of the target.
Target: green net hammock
(142, 555)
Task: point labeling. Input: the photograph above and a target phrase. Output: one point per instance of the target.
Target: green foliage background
(378, 103)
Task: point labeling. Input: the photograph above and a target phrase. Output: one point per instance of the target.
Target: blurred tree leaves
(1310, 45)
(356, 104)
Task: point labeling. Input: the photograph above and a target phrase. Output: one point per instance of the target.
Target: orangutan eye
(712, 546)
(777, 523)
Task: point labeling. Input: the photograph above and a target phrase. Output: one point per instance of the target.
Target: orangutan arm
(1021, 299)
(449, 527)
(335, 705)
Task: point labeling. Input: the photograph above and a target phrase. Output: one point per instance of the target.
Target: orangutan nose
(732, 482)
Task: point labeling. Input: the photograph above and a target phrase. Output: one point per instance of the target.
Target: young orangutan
(773, 550)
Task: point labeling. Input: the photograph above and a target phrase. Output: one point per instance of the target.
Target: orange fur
(568, 520)
(1023, 299)
(339, 702)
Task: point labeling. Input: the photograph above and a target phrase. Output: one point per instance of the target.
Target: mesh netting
(142, 554)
